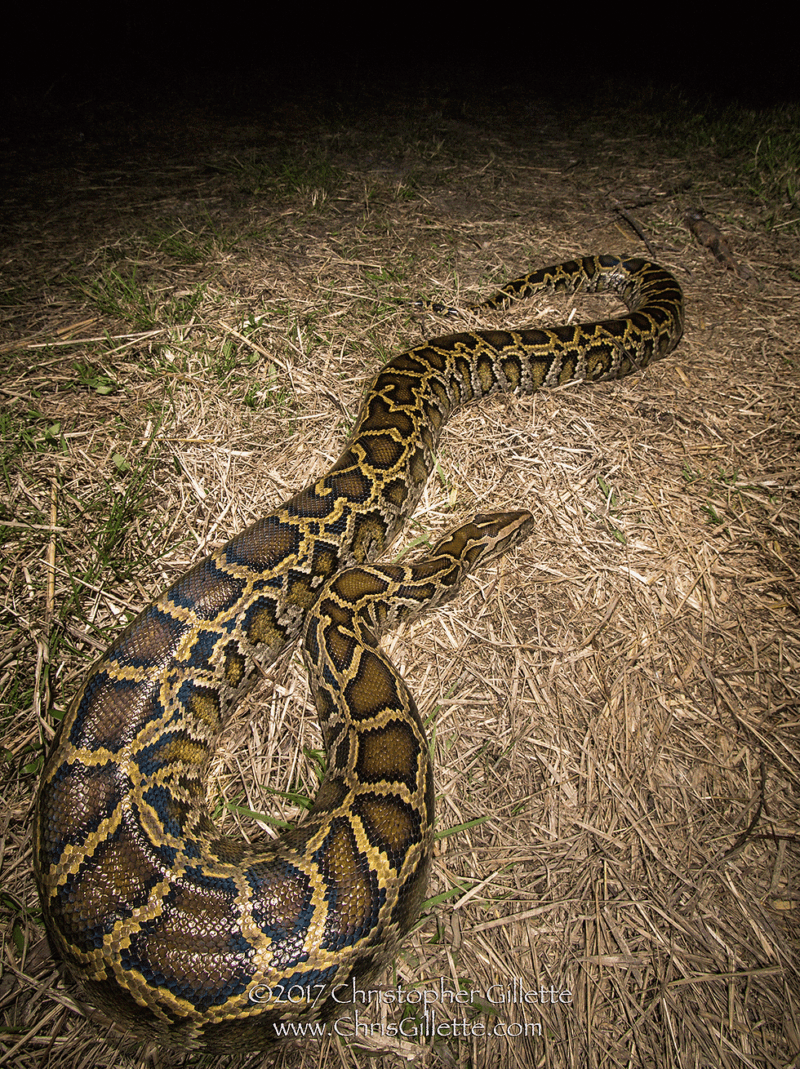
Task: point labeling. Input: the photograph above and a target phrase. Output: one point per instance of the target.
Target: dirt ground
(194, 296)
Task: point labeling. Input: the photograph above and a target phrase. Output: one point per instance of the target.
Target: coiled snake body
(199, 940)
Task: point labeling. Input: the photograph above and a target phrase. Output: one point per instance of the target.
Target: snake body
(196, 939)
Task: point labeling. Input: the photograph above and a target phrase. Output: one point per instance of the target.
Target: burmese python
(197, 939)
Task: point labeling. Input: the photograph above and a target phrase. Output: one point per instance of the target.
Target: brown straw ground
(191, 314)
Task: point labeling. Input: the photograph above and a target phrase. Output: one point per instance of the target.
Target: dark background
(230, 56)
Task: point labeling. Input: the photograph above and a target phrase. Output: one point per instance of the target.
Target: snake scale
(196, 939)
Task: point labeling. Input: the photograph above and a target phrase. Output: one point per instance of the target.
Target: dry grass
(615, 705)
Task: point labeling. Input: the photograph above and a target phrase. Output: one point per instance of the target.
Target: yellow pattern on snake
(195, 939)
